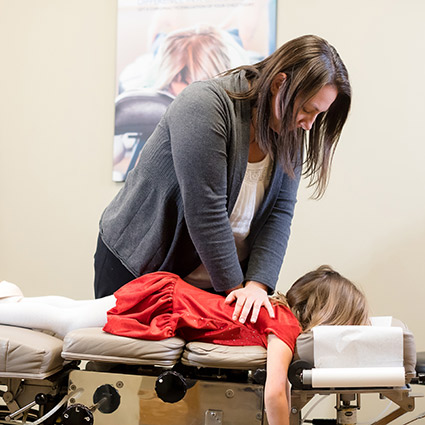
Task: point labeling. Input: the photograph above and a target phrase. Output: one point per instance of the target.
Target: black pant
(109, 273)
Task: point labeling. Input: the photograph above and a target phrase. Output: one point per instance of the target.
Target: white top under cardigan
(255, 183)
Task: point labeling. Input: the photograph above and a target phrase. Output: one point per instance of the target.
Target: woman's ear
(277, 82)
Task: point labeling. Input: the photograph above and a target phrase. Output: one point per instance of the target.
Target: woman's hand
(252, 297)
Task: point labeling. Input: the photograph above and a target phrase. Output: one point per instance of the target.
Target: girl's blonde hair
(324, 297)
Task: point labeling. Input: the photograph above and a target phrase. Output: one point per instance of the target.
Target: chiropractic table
(92, 377)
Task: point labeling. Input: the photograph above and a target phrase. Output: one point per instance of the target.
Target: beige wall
(56, 114)
(56, 125)
(371, 223)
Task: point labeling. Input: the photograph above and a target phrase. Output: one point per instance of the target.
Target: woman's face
(319, 103)
(308, 112)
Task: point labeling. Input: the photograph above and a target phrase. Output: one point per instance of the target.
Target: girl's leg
(63, 302)
(9, 292)
(57, 319)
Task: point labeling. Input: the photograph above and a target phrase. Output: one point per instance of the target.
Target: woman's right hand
(249, 299)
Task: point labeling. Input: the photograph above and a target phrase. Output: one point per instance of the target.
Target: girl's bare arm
(279, 356)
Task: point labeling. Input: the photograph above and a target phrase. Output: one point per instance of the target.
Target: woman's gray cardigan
(173, 211)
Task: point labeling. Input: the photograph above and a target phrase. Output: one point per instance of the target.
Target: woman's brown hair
(309, 63)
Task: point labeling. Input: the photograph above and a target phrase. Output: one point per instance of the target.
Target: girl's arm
(276, 397)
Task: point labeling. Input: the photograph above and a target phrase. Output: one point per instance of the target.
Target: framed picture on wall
(164, 45)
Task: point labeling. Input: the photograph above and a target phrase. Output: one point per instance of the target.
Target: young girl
(161, 305)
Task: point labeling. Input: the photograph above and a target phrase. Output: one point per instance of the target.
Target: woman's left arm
(276, 397)
(271, 234)
(268, 250)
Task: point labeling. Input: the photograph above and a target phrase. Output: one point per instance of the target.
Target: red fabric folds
(161, 305)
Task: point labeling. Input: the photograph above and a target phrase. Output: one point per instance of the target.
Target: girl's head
(324, 297)
(282, 88)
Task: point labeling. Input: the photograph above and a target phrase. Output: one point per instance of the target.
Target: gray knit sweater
(173, 211)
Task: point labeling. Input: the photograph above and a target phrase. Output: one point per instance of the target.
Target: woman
(213, 194)
(161, 305)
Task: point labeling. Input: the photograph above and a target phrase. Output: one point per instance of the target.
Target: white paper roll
(357, 377)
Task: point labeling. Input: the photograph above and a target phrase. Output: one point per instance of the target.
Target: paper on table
(357, 346)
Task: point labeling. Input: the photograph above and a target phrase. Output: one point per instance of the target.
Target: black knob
(260, 376)
(41, 399)
(295, 373)
(77, 414)
(108, 398)
(170, 386)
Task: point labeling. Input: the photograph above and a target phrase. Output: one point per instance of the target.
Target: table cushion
(96, 345)
(202, 354)
(26, 353)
